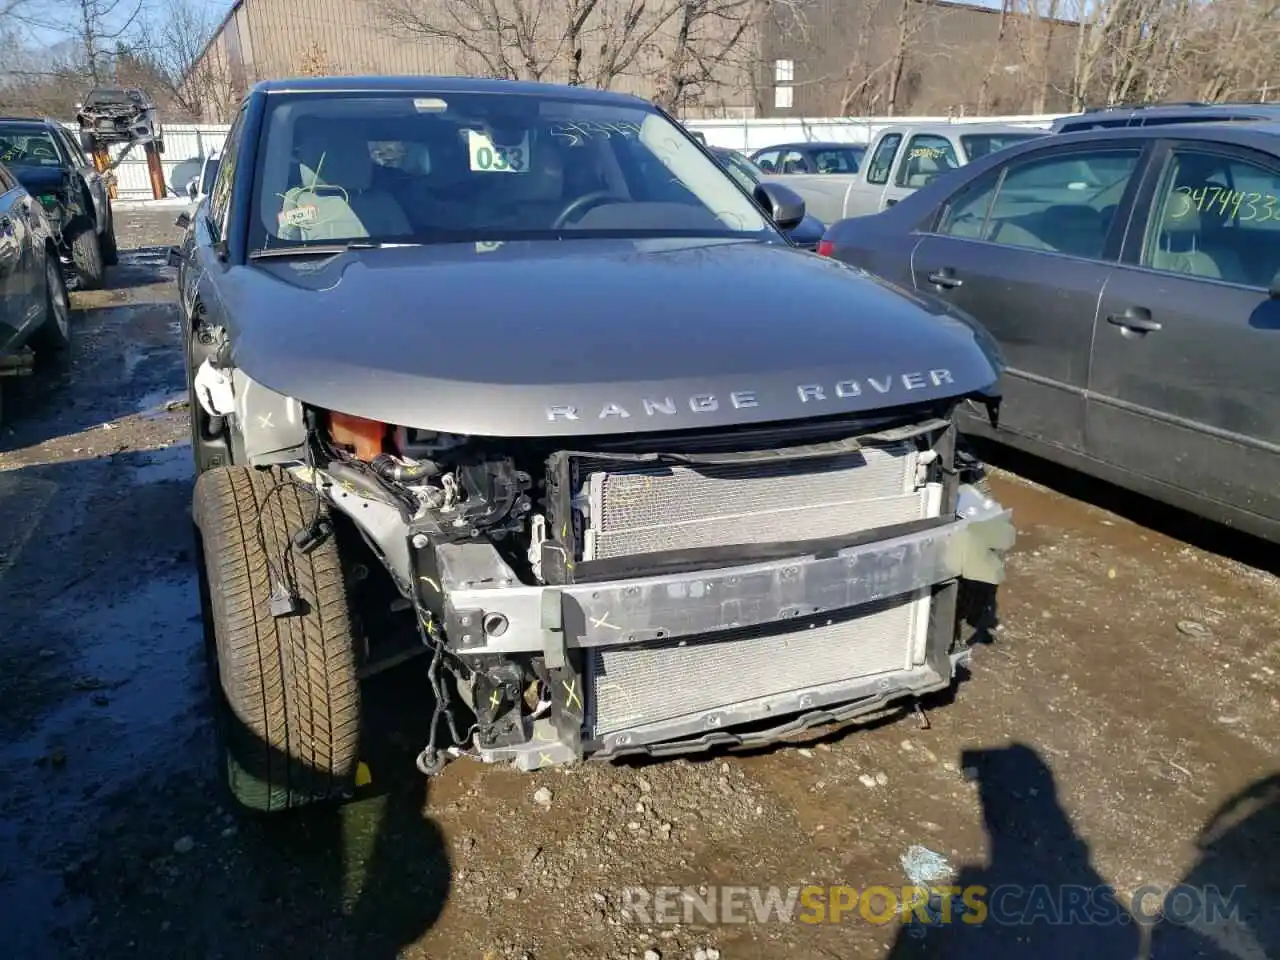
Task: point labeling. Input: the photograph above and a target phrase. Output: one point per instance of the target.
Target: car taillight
(826, 248)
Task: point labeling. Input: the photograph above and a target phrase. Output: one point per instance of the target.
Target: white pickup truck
(902, 159)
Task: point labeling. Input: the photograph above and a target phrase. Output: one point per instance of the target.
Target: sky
(48, 37)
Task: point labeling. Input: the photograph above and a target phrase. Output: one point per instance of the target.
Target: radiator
(643, 509)
(628, 509)
(633, 687)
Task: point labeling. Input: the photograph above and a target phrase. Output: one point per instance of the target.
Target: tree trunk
(984, 89)
(899, 58)
(670, 90)
(1043, 81)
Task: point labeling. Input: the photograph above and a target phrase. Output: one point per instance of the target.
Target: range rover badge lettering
(881, 384)
(878, 384)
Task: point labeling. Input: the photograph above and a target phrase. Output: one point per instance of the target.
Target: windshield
(401, 167)
(32, 148)
(740, 168)
(980, 144)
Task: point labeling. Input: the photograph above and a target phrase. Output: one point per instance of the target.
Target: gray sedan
(33, 297)
(1130, 278)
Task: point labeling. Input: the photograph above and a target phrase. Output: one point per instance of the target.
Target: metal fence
(755, 133)
(187, 144)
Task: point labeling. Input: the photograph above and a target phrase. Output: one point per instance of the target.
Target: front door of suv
(1183, 387)
(1025, 249)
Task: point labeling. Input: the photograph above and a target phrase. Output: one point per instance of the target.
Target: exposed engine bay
(655, 592)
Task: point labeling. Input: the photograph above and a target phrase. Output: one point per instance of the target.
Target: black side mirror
(183, 221)
(785, 206)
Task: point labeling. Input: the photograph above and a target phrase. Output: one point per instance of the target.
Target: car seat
(1193, 238)
(1178, 247)
(1074, 229)
(335, 198)
(531, 199)
(922, 170)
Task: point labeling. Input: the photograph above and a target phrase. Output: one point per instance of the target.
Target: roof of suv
(399, 84)
(943, 128)
(1263, 134)
(1172, 113)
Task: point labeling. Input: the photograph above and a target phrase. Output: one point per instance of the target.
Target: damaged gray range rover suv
(642, 476)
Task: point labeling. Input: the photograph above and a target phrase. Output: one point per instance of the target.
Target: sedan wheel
(54, 335)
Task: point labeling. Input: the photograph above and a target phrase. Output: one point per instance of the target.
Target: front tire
(289, 720)
(86, 255)
(110, 249)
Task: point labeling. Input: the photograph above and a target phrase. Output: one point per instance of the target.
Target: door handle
(1137, 319)
(945, 278)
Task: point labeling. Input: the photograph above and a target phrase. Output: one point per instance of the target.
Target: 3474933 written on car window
(1243, 205)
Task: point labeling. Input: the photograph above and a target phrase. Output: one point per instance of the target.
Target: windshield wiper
(327, 249)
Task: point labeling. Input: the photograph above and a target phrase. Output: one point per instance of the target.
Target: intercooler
(627, 509)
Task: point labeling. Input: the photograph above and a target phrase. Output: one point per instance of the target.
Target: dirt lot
(1120, 729)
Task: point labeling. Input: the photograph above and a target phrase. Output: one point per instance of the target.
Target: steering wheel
(577, 207)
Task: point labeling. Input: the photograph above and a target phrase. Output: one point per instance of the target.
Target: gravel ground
(1120, 729)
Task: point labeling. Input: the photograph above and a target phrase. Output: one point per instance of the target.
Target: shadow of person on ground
(1042, 899)
(362, 879)
(1225, 907)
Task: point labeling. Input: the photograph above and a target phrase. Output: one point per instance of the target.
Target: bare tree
(621, 32)
(100, 25)
(176, 43)
(863, 78)
(707, 35)
(907, 24)
(984, 89)
(509, 39)
(682, 46)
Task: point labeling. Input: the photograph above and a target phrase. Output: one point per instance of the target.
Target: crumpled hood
(587, 337)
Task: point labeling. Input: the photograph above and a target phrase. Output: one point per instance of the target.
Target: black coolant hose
(398, 471)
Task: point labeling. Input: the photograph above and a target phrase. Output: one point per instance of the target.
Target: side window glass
(1056, 204)
(73, 149)
(928, 157)
(882, 159)
(793, 161)
(768, 161)
(965, 215)
(220, 199)
(1217, 218)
